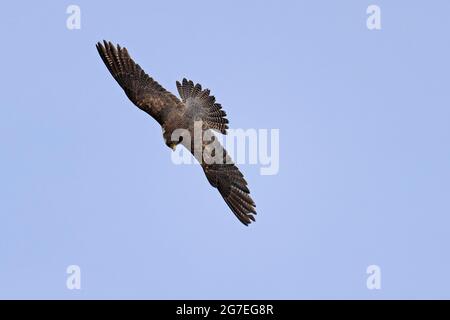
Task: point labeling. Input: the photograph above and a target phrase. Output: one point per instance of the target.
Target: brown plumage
(172, 113)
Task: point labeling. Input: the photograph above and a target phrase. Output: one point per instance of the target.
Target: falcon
(196, 105)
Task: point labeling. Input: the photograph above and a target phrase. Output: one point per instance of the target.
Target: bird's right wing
(141, 89)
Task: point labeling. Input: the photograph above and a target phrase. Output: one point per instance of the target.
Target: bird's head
(172, 144)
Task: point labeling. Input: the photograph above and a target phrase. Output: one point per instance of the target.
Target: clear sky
(364, 175)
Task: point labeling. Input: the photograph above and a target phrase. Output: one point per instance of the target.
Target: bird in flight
(196, 105)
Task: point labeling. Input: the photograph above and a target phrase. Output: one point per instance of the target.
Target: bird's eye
(180, 139)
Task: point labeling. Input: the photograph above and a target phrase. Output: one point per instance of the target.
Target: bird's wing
(226, 177)
(141, 89)
(219, 169)
(201, 105)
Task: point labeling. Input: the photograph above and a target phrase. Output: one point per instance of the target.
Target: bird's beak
(173, 146)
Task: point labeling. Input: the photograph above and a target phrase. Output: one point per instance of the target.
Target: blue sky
(364, 173)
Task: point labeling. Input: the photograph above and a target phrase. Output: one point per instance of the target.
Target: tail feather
(211, 112)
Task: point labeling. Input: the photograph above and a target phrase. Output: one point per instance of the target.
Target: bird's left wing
(226, 177)
(219, 169)
(141, 89)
